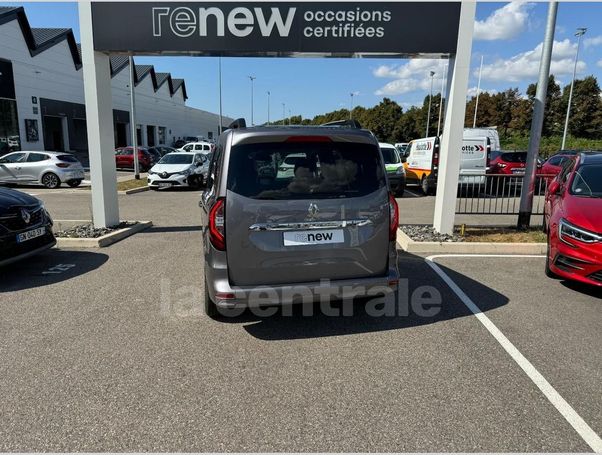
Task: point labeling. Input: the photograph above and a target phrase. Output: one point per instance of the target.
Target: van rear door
(474, 160)
(328, 219)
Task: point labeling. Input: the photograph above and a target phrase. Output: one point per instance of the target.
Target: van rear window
(299, 170)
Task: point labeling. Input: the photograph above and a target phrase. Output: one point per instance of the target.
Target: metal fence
(497, 194)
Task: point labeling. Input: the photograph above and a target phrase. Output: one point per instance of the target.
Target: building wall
(52, 75)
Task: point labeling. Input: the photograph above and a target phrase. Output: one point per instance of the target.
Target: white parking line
(581, 427)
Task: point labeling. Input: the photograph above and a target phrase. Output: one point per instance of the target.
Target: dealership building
(42, 94)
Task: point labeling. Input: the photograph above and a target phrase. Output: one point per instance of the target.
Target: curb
(135, 190)
(407, 244)
(105, 240)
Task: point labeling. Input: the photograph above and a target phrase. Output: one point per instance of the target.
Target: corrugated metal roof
(161, 78)
(43, 35)
(118, 62)
(6, 9)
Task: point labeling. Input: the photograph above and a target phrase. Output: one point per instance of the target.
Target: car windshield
(180, 158)
(588, 181)
(323, 170)
(390, 155)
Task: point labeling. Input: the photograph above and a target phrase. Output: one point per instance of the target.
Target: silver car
(47, 168)
(328, 226)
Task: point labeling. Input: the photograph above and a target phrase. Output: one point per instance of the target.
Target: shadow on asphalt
(417, 273)
(50, 267)
(592, 291)
(164, 229)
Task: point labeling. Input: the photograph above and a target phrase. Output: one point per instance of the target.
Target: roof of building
(40, 39)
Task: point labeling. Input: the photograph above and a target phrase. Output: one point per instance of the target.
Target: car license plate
(25, 236)
(313, 237)
(165, 185)
(518, 171)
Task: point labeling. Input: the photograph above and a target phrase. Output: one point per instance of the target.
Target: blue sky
(506, 34)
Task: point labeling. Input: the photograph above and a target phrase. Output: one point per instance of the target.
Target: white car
(179, 169)
(204, 147)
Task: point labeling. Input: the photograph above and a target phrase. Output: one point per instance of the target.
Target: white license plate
(313, 237)
(165, 185)
(25, 236)
(518, 171)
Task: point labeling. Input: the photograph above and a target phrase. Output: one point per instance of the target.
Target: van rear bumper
(226, 296)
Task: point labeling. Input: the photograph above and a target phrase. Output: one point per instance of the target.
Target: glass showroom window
(161, 135)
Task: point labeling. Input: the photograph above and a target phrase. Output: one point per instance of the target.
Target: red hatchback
(573, 220)
(124, 158)
(510, 163)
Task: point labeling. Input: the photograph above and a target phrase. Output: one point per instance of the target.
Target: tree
(586, 109)
(555, 106)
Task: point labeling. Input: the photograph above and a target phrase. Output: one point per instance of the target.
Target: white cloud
(525, 65)
(593, 41)
(472, 91)
(414, 75)
(599, 63)
(505, 23)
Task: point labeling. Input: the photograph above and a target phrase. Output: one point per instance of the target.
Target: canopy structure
(272, 29)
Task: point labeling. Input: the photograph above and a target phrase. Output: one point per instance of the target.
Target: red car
(511, 163)
(573, 221)
(553, 165)
(124, 158)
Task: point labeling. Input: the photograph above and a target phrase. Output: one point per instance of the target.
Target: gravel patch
(420, 233)
(88, 231)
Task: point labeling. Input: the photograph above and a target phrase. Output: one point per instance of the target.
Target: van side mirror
(554, 187)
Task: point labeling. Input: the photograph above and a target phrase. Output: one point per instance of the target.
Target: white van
(422, 164)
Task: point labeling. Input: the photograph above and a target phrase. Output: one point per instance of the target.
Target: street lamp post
(351, 106)
(219, 71)
(252, 78)
(283, 114)
(428, 117)
(268, 107)
(580, 32)
(441, 100)
(134, 128)
(476, 106)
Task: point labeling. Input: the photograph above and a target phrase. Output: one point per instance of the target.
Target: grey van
(330, 225)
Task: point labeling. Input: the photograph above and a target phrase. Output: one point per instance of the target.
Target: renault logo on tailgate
(312, 211)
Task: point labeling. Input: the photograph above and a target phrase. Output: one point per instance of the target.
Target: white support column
(99, 120)
(65, 128)
(453, 130)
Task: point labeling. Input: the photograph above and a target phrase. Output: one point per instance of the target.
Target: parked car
(25, 226)
(164, 150)
(333, 218)
(573, 221)
(47, 168)
(179, 169)
(396, 174)
(124, 158)
(155, 154)
(508, 163)
(205, 147)
(178, 144)
(553, 165)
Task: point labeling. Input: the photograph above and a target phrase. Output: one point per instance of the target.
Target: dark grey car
(329, 226)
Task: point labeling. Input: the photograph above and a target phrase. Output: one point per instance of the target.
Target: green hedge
(549, 145)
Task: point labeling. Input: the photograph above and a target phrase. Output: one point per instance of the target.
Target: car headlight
(568, 231)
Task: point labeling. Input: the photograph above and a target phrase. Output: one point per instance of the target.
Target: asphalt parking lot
(108, 350)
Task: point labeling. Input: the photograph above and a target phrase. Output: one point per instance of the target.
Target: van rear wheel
(424, 184)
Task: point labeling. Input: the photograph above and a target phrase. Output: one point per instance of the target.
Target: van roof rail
(349, 123)
(238, 123)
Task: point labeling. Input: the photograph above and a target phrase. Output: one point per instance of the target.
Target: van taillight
(435, 159)
(217, 224)
(393, 217)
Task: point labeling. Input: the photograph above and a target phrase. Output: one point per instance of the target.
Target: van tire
(426, 187)
(209, 305)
